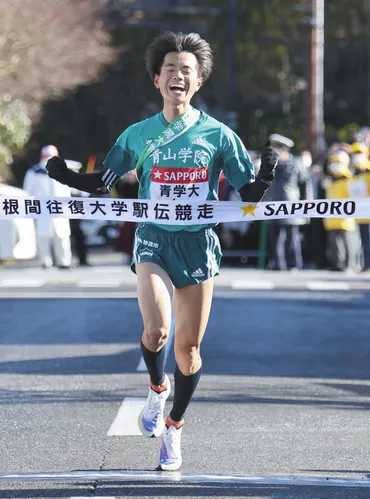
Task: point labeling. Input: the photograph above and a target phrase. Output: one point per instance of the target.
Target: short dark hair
(179, 42)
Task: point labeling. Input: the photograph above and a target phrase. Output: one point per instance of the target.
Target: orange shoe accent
(177, 425)
(158, 388)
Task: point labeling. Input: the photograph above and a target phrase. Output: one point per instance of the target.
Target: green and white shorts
(187, 257)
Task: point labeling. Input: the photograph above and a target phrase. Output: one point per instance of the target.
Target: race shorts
(187, 257)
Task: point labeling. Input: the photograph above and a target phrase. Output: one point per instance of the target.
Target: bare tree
(49, 47)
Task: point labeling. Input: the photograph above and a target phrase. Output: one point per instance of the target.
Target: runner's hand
(269, 161)
(57, 168)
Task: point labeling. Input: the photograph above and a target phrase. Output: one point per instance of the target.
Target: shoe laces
(154, 404)
(172, 441)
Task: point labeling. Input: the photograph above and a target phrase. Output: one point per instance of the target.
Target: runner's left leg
(192, 306)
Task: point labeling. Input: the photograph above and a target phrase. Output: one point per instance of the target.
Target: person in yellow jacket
(359, 187)
(341, 243)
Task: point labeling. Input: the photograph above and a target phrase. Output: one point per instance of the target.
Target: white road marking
(248, 284)
(98, 283)
(141, 367)
(71, 294)
(28, 352)
(22, 283)
(125, 422)
(178, 477)
(327, 286)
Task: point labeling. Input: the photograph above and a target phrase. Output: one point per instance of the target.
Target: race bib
(179, 183)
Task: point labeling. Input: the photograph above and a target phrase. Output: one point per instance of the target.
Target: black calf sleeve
(154, 362)
(184, 389)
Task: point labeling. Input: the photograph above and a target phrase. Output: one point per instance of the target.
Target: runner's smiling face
(179, 78)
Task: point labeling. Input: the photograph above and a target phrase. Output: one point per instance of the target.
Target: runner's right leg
(154, 295)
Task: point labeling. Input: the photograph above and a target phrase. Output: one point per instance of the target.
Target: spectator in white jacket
(53, 234)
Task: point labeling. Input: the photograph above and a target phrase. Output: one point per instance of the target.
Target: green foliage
(343, 134)
(15, 130)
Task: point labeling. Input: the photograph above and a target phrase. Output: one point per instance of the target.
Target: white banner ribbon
(179, 213)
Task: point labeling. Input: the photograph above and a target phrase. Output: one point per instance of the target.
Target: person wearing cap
(292, 183)
(359, 187)
(53, 234)
(359, 163)
(341, 241)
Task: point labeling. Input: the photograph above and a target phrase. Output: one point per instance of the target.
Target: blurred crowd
(341, 244)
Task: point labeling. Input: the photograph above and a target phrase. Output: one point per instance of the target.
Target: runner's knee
(188, 358)
(154, 338)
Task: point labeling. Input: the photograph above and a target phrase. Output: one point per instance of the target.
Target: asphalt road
(282, 410)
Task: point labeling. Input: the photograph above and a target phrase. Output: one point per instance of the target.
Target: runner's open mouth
(177, 88)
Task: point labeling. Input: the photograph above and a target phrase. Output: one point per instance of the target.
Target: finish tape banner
(179, 213)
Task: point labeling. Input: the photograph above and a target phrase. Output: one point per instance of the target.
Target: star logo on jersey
(157, 174)
(248, 210)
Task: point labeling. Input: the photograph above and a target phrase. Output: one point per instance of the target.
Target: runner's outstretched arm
(94, 183)
(254, 192)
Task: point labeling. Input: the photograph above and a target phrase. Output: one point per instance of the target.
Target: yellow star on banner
(248, 210)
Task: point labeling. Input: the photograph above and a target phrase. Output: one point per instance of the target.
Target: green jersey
(185, 169)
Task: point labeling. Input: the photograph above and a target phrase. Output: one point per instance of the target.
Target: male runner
(178, 154)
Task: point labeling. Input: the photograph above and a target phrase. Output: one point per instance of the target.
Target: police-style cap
(276, 138)
(48, 152)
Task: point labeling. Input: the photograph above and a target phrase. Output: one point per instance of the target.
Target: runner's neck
(171, 112)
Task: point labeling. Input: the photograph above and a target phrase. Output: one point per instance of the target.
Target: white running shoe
(170, 454)
(151, 421)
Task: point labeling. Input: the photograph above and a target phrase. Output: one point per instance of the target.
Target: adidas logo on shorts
(198, 273)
